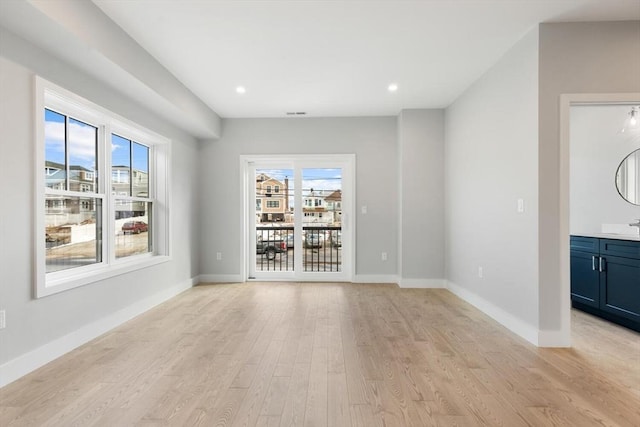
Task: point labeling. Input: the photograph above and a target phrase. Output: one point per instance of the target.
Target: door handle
(593, 262)
(601, 264)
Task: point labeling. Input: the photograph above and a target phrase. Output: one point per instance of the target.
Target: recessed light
(393, 87)
(241, 90)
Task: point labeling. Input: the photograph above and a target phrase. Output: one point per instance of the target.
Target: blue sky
(120, 153)
(81, 143)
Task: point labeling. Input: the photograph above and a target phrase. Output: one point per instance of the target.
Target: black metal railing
(321, 248)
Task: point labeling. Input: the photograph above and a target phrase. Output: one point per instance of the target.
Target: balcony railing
(321, 249)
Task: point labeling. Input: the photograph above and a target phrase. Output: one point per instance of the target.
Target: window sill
(95, 275)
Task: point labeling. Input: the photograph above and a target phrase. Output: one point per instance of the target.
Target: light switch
(364, 210)
(520, 205)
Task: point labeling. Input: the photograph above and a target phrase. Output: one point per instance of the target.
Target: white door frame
(566, 101)
(348, 164)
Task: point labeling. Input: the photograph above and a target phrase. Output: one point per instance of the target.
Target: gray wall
(491, 161)
(597, 148)
(574, 58)
(421, 194)
(32, 323)
(372, 140)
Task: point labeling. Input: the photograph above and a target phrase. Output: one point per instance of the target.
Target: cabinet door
(585, 280)
(620, 287)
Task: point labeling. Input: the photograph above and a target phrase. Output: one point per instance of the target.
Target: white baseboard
(422, 283)
(507, 320)
(375, 278)
(220, 278)
(28, 362)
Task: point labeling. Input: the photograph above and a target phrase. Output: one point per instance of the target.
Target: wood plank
(296, 400)
(338, 412)
(315, 413)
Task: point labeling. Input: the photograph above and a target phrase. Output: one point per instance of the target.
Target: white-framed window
(268, 189)
(276, 188)
(111, 224)
(273, 203)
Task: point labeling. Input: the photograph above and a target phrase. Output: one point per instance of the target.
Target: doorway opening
(568, 221)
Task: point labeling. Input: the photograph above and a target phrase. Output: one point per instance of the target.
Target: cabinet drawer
(585, 244)
(620, 248)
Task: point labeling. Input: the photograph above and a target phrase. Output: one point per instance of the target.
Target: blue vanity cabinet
(605, 278)
(585, 275)
(620, 279)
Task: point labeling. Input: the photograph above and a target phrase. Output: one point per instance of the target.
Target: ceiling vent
(296, 113)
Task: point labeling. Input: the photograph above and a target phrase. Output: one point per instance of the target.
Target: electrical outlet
(480, 272)
(384, 256)
(219, 256)
(3, 319)
(364, 209)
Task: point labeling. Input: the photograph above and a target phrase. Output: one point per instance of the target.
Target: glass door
(321, 220)
(273, 222)
(296, 220)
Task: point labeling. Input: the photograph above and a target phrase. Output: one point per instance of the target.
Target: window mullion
(108, 209)
(67, 169)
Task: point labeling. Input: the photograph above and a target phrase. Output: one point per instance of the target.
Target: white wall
(39, 329)
(490, 162)
(575, 58)
(421, 198)
(597, 148)
(372, 140)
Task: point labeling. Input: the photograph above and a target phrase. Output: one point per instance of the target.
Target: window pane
(121, 165)
(55, 150)
(140, 181)
(133, 228)
(82, 147)
(322, 219)
(72, 232)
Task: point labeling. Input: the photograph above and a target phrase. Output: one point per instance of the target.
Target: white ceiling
(336, 58)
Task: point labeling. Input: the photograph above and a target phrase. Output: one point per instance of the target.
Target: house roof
(60, 166)
(336, 196)
(266, 179)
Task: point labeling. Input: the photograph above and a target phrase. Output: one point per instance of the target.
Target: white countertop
(633, 238)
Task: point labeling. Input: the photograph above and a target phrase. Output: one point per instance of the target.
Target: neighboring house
(64, 209)
(272, 198)
(333, 204)
(314, 209)
(126, 181)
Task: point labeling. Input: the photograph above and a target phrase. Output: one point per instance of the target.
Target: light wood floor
(291, 354)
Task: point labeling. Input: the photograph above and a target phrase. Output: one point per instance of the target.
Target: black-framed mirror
(628, 178)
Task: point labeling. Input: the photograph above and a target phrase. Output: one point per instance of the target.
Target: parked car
(134, 227)
(312, 240)
(289, 240)
(270, 247)
(336, 238)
